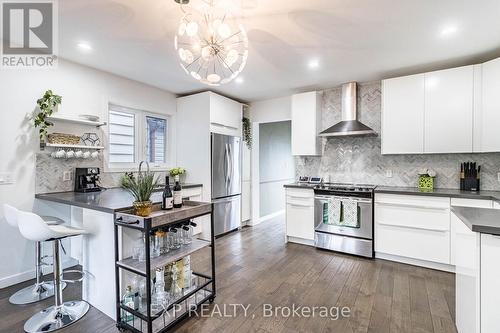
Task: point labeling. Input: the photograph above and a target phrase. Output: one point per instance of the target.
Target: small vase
(143, 208)
(176, 178)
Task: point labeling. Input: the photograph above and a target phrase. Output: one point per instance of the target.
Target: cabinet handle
(412, 227)
(410, 206)
(301, 206)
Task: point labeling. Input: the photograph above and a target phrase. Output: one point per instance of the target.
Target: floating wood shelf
(76, 120)
(55, 145)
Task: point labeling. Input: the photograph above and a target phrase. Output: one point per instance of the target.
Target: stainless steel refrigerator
(226, 182)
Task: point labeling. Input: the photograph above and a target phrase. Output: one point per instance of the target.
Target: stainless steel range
(344, 218)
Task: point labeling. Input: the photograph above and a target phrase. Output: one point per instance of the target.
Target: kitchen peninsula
(95, 212)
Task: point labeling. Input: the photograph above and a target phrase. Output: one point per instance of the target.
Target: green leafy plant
(141, 187)
(247, 132)
(177, 171)
(46, 106)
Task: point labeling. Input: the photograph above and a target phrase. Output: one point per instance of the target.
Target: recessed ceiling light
(313, 63)
(448, 30)
(84, 46)
(239, 80)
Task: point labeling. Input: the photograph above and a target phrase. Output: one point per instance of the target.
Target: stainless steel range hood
(350, 125)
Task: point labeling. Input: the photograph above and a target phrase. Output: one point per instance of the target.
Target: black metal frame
(148, 318)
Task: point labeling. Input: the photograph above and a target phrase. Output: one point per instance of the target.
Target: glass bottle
(167, 202)
(128, 300)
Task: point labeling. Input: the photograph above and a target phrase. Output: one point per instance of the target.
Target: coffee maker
(86, 180)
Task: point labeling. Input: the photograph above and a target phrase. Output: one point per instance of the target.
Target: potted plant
(46, 105)
(141, 189)
(247, 132)
(176, 172)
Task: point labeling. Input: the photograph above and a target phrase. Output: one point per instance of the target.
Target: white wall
(270, 110)
(84, 91)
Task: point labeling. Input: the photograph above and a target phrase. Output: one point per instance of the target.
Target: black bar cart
(146, 319)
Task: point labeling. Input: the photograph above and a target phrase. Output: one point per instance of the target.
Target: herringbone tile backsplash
(359, 159)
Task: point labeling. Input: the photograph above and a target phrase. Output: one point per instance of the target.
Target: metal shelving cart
(204, 290)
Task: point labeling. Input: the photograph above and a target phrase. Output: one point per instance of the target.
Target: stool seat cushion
(34, 228)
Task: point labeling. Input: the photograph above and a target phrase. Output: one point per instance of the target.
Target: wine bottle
(167, 201)
(177, 195)
(462, 177)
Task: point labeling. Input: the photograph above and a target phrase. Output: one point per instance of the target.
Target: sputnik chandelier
(212, 46)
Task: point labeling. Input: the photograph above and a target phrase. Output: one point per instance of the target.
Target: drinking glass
(175, 238)
(187, 234)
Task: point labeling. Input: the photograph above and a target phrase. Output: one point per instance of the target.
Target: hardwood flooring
(255, 267)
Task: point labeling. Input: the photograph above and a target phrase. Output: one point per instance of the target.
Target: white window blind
(122, 141)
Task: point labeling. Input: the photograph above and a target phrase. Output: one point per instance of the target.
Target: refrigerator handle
(226, 166)
(230, 167)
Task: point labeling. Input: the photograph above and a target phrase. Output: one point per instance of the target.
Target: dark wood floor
(255, 267)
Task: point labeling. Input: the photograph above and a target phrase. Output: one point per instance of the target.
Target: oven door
(365, 217)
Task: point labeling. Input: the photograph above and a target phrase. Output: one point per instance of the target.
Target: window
(136, 135)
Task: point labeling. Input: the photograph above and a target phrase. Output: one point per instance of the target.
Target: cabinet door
(467, 285)
(479, 203)
(245, 201)
(225, 115)
(305, 124)
(403, 115)
(449, 110)
(300, 220)
(490, 283)
(489, 113)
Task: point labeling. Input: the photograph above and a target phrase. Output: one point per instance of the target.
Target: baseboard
(28, 275)
(254, 222)
(416, 262)
(298, 240)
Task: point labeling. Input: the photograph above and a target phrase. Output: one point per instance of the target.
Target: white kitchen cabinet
(403, 223)
(449, 110)
(487, 115)
(306, 122)
(300, 215)
(246, 201)
(403, 115)
(478, 203)
(467, 278)
(490, 283)
(225, 115)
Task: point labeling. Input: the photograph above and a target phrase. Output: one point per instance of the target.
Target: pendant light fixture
(211, 45)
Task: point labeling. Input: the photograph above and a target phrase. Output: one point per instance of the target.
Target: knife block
(470, 184)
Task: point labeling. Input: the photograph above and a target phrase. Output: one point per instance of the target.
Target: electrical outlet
(388, 173)
(66, 176)
(498, 176)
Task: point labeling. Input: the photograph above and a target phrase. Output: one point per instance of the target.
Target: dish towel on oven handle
(350, 216)
(334, 211)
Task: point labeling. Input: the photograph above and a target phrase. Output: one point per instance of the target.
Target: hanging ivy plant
(247, 132)
(46, 104)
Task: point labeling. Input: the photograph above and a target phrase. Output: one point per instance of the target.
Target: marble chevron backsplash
(359, 159)
(49, 173)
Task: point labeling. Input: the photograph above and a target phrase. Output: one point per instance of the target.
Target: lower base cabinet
(300, 214)
(490, 284)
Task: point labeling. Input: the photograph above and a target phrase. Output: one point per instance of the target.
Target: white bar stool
(61, 314)
(41, 289)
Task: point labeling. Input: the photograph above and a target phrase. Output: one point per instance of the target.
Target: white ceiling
(360, 40)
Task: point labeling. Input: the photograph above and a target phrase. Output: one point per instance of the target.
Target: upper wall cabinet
(487, 117)
(225, 115)
(403, 115)
(449, 110)
(306, 120)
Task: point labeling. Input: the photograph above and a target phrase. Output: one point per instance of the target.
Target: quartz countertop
(484, 220)
(300, 185)
(109, 201)
(440, 192)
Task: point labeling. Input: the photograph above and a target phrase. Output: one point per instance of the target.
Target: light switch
(498, 176)
(6, 178)
(388, 173)
(66, 176)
